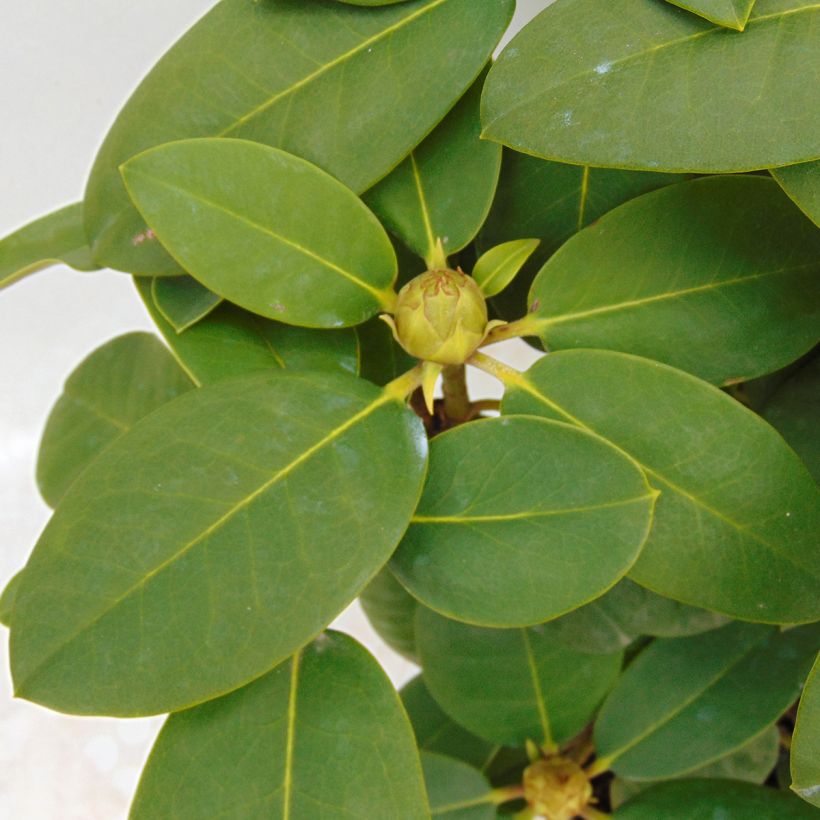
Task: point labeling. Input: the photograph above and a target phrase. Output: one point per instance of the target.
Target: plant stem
(485, 404)
(405, 384)
(507, 375)
(507, 793)
(526, 326)
(456, 399)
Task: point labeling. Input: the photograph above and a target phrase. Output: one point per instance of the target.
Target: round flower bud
(557, 788)
(441, 316)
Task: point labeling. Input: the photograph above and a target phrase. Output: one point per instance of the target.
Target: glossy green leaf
(510, 685)
(381, 357)
(182, 300)
(590, 628)
(211, 541)
(730, 13)
(233, 342)
(658, 88)
(497, 267)
(805, 748)
(456, 790)
(351, 89)
(802, 184)
(437, 732)
(712, 799)
(265, 229)
(55, 239)
(313, 738)
(716, 276)
(686, 702)
(735, 526)
(391, 611)
(502, 539)
(7, 598)
(444, 189)
(106, 395)
(371, 2)
(553, 201)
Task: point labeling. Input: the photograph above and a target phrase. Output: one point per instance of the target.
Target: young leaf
(106, 395)
(716, 276)
(182, 300)
(730, 13)
(686, 702)
(7, 598)
(501, 538)
(444, 189)
(312, 738)
(497, 267)
(802, 184)
(456, 791)
(632, 90)
(735, 525)
(805, 749)
(233, 342)
(211, 541)
(728, 800)
(511, 685)
(327, 81)
(391, 611)
(56, 239)
(265, 229)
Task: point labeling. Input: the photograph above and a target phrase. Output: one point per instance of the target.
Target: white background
(66, 67)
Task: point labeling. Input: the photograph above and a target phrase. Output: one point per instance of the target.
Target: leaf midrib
(540, 703)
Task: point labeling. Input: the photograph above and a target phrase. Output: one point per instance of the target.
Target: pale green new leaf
(233, 342)
(510, 685)
(730, 13)
(686, 702)
(645, 85)
(802, 184)
(106, 395)
(55, 239)
(182, 300)
(717, 276)
(805, 749)
(266, 230)
(735, 527)
(456, 790)
(391, 610)
(444, 189)
(501, 538)
(353, 90)
(214, 539)
(312, 738)
(497, 267)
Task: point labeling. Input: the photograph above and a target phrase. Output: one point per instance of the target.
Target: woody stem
(454, 386)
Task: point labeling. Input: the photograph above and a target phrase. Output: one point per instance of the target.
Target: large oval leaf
(265, 229)
(511, 685)
(223, 532)
(717, 276)
(58, 238)
(352, 90)
(456, 791)
(629, 88)
(735, 527)
(805, 749)
(730, 13)
(329, 709)
(802, 184)
(107, 394)
(443, 190)
(391, 610)
(500, 538)
(686, 702)
(233, 342)
(182, 300)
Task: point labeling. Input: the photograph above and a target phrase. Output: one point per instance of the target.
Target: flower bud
(557, 788)
(441, 316)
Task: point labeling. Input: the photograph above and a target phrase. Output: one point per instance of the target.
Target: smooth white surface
(65, 70)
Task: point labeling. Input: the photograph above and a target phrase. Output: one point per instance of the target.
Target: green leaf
(497, 267)
(7, 598)
(391, 611)
(802, 184)
(233, 342)
(55, 239)
(182, 300)
(553, 201)
(313, 738)
(382, 359)
(436, 732)
(708, 799)
(716, 276)
(265, 229)
(444, 189)
(649, 86)
(371, 2)
(686, 702)
(730, 13)
(805, 748)
(511, 685)
(106, 395)
(456, 791)
(500, 539)
(214, 539)
(591, 628)
(735, 526)
(353, 90)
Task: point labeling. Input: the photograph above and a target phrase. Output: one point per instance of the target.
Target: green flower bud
(441, 316)
(557, 788)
